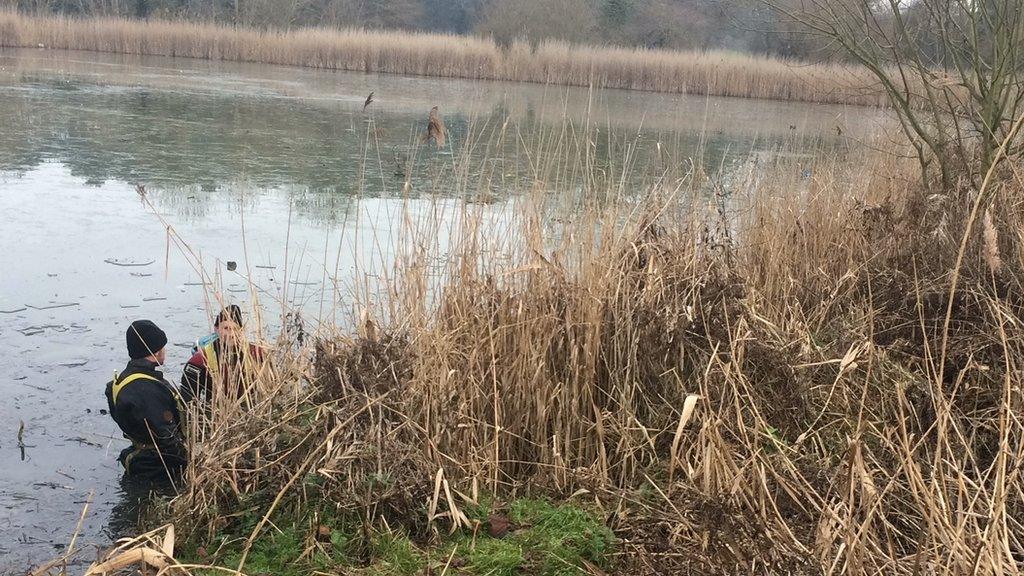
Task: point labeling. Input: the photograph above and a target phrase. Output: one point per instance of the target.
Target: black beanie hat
(231, 312)
(144, 338)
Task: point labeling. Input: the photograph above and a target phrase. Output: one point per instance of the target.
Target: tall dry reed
(744, 384)
(713, 73)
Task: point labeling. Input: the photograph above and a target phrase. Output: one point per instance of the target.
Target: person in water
(147, 408)
(221, 363)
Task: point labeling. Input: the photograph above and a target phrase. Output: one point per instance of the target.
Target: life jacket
(206, 349)
(206, 344)
(117, 385)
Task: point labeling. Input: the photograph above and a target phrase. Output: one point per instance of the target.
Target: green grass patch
(272, 553)
(494, 557)
(395, 555)
(546, 540)
(557, 539)
(285, 547)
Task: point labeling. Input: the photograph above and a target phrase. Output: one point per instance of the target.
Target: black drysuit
(148, 411)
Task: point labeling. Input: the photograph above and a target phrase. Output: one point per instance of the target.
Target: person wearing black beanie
(147, 408)
(145, 339)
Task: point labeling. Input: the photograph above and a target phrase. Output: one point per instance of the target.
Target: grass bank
(714, 73)
(786, 369)
(526, 537)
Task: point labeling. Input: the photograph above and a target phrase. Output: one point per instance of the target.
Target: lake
(127, 185)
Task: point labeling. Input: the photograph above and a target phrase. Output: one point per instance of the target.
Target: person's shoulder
(115, 377)
(138, 388)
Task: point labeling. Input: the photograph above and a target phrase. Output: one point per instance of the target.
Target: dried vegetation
(787, 381)
(713, 73)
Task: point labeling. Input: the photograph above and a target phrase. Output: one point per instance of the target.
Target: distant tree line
(743, 25)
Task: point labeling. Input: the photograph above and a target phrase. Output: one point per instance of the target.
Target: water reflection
(204, 128)
(135, 501)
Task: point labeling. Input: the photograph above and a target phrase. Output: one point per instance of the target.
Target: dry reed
(713, 73)
(748, 386)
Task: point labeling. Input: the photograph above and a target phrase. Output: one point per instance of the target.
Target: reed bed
(712, 73)
(774, 375)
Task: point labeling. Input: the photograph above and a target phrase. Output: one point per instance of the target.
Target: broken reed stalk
(62, 561)
(78, 527)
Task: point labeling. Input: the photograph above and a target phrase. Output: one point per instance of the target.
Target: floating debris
(13, 311)
(117, 262)
(21, 439)
(154, 299)
(81, 440)
(265, 267)
(126, 306)
(297, 283)
(52, 485)
(232, 265)
(142, 274)
(52, 306)
(33, 330)
(75, 363)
